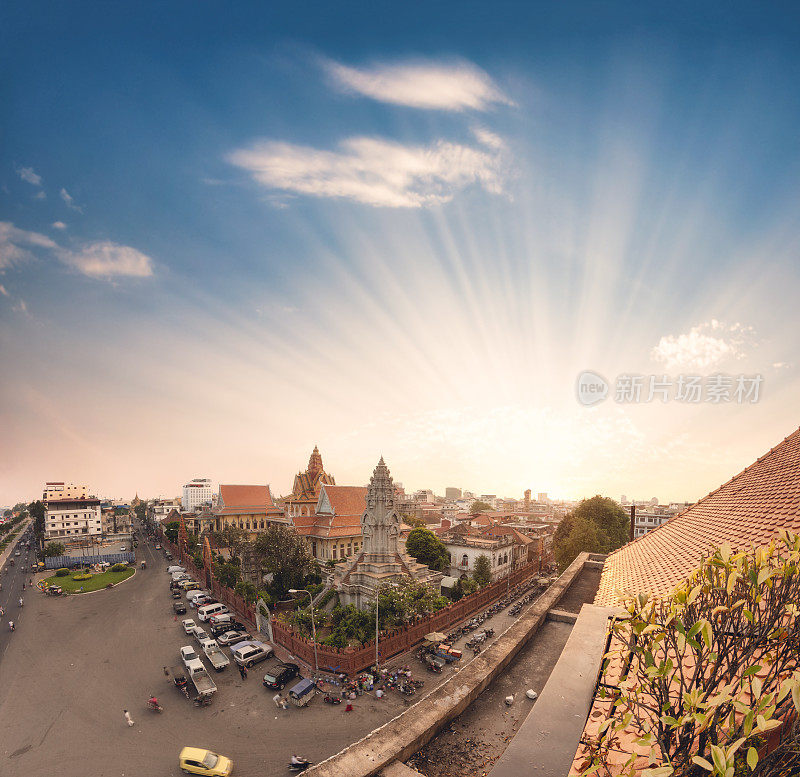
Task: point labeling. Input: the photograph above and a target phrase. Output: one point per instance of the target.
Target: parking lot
(75, 663)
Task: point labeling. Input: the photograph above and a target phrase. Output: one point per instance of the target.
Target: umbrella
(436, 636)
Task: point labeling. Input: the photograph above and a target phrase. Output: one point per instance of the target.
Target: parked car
(169, 556)
(179, 608)
(158, 547)
(232, 637)
(189, 626)
(221, 628)
(176, 593)
(190, 659)
(278, 676)
(250, 652)
(197, 761)
(199, 634)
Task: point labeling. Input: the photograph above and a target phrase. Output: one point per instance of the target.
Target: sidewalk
(12, 547)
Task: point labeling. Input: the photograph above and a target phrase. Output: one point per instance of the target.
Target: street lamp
(313, 627)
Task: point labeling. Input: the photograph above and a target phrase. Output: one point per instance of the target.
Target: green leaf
(659, 771)
(718, 755)
(752, 758)
(751, 670)
(703, 763)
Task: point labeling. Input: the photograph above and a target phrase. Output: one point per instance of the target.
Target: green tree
(709, 670)
(428, 549)
(583, 536)
(171, 530)
(54, 549)
(37, 511)
(412, 520)
(234, 538)
(283, 554)
(482, 574)
(610, 530)
(227, 572)
(479, 507)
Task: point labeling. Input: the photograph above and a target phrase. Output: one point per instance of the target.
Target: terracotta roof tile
(747, 510)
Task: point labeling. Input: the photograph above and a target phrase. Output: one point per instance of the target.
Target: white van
(223, 617)
(207, 610)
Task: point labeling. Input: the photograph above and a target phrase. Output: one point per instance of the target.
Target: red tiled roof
(245, 499)
(347, 500)
(746, 511)
(518, 536)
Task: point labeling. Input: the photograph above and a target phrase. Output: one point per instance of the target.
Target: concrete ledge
(594, 564)
(562, 616)
(546, 742)
(402, 736)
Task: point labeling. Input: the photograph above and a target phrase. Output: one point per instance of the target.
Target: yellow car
(195, 760)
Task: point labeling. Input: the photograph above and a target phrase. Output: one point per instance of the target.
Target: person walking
(243, 672)
(277, 699)
(128, 718)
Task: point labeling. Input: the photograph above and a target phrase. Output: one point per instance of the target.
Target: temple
(306, 488)
(381, 559)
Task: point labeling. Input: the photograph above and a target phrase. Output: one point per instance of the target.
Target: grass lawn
(97, 582)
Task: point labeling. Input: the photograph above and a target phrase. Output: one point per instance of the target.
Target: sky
(229, 232)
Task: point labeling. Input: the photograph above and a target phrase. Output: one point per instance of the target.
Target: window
(334, 552)
(464, 560)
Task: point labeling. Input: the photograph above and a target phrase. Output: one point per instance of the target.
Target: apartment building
(70, 511)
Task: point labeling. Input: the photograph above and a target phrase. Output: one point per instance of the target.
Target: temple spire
(315, 462)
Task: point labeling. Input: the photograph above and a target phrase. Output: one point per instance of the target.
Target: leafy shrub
(82, 576)
(119, 567)
(326, 598)
(63, 572)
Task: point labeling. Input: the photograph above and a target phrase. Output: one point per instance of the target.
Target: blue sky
(230, 233)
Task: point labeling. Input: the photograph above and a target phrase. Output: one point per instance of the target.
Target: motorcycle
(328, 699)
(301, 767)
(20, 601)
(11, 626)
(154, 705)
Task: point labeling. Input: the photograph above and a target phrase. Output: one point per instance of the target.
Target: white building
(195, 493)
(72, 518)
(464, 551)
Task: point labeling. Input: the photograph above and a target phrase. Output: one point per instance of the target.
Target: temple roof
(746, 511)
(245, 499)
(338, 513)
(307, 484)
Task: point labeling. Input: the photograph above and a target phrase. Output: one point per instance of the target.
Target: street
(75, 663)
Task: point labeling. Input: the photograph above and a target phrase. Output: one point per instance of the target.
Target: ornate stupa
(380, 560)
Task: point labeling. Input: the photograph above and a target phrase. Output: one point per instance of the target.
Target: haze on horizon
(393, 238)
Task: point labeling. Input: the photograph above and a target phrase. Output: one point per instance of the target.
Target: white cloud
(40, 195)
(70, 202)
(100, 259)
(454, 86)
(375, 171)
(16, 244)
(105, 259)
(4, 291)
(59, 225)
(29, 174)
(21, 307)
(705, 345)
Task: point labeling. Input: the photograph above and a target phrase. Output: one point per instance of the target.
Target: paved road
(76, 662)
(12, 577)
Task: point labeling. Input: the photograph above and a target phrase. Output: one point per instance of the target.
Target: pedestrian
(243, 672)
(284, 704)
(277, 699)
(128, 717)
(349, 707)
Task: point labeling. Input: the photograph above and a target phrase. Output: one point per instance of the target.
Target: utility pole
(633, 523)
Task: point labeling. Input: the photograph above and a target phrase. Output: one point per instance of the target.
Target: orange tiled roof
(245, 499)
(347, 504)
(746, 511)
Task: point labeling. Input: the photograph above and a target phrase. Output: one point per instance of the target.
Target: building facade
(333, 531)
(58, 489)
(465, 548)
(68, 518)
(247, 507)
(196, 492)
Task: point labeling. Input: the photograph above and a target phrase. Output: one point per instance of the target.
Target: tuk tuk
(302, 693)
(54, 590)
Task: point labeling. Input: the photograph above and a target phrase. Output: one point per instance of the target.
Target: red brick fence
(351, 660)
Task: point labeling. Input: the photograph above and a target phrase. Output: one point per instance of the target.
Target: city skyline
(393, 241)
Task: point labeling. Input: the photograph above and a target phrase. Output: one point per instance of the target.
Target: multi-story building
(464, 550)
(70, 512)
(452, 493)
(196, 492)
